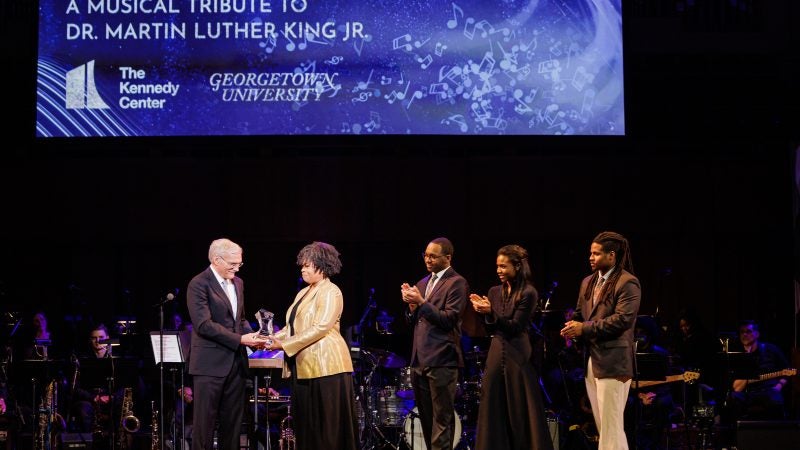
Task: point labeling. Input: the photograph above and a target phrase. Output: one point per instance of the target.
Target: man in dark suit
(435, 305)
(218, 363)
(608, 304)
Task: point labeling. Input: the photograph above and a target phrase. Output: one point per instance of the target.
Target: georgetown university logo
(81, 89)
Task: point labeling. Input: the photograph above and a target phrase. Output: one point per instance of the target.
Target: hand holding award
(264, 318)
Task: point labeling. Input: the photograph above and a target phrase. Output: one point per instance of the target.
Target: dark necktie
(429, 288)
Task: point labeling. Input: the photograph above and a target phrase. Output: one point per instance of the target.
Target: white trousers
(608, 397)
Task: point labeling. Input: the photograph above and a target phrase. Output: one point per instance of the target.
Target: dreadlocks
(611, 242)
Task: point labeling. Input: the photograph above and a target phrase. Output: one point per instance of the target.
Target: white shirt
(229, 288)
(438, 277)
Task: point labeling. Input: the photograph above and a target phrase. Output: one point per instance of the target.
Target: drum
(416, 440)
(391, 408)
(405, 389)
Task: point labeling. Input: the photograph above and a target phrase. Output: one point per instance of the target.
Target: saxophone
(155, 444)
(50, 422)
(128, 423)
(287, 440)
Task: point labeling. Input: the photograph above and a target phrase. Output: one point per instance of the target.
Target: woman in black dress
(511, 414)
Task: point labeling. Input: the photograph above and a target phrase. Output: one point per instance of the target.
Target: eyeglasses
(233, 265)
(430, 256)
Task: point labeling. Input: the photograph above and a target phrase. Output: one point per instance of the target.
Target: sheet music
(173, 352)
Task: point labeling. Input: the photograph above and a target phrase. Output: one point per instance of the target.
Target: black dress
(511, 414)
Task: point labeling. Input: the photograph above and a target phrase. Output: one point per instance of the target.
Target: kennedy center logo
(81, 89)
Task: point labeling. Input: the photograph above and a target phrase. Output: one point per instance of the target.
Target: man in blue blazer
(218, 363)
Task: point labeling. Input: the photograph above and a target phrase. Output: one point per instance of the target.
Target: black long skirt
(324, 413)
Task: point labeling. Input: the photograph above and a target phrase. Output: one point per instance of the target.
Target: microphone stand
(370, 306)
(168, 298)
(161, 371)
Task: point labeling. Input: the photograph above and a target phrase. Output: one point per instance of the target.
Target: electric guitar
(687, 377)
(740, 385)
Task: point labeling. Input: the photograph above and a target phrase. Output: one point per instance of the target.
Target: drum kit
(387, 415)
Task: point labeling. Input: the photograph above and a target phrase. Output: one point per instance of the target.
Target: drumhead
(416, 440)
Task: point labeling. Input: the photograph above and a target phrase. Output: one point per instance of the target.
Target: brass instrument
(97, 427)
(287, 439)
(155, 443)
(50, 422)
(128, 423)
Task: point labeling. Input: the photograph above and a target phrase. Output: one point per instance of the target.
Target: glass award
(265, 324)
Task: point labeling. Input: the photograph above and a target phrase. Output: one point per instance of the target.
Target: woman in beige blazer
(317, 359)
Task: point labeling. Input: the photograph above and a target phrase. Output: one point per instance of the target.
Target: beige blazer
(317, 345)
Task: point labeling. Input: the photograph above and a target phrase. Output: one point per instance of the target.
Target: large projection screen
(316, 67)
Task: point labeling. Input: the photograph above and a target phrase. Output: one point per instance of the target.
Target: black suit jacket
(216, 334)
(437, 322)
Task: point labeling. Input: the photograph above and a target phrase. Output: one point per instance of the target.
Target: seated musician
(91, 403)
(86, 398)
(655, 404)
(760, 399)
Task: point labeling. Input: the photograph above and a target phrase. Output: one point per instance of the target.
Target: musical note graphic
(419, 44)
(418, 94)
(581, 78)
(396, 95)
(521, 107)
(290, 46)
(480, 110)
(469, 34)
(440, 48)
(371, 125)
(396, 42)
(308, 66)
(453, 23)
(425, 62)
(458, 119)
(374, 122)
(485, 27)
(531, 95)
(358, 45)
(362, 97)
(573, 49)
(269, 45)
(334, 60)
(487, 65)
(363, 85)
(310, 39)
(555, 49)
(439, 88)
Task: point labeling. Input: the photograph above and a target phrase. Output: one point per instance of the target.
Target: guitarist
(759, 399)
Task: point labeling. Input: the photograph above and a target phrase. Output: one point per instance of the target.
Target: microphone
(167, 298)
(549, 294)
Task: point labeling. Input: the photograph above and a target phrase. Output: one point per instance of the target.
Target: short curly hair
(324, 256)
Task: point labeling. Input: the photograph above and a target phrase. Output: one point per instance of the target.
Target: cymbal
(385, 358)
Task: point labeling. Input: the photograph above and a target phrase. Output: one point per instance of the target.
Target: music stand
(647, 367)
(739, 365)
(263, 359)
(651, 367)
(167, 349)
